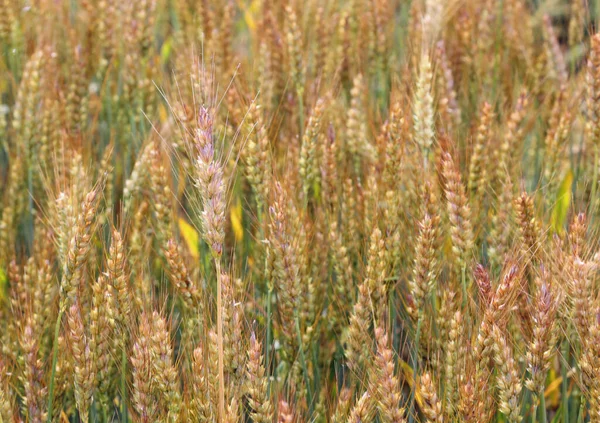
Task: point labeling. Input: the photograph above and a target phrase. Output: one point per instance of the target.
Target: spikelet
(424, 270)
(139, 245)
(161, 193)
(453, 347)
(286, 266)
(276, 47)
(11, 208)
(432, 22)
(592, 128)
(484, 285)
(394, 143)
(233, 355)
(350, 210)
(138, 177)
(102, 331)
(226, 36)
(447, 102)
(258, 396)
(558, 70)
(6, 394)
(528, 225)
(510, 140)
(257, 156)
(232, 412)
(501, 227)
(6, 19)
(285, 413)
(336, 62)
(559, 125)
(433, 405)
(476, 397)
(330, 181)
(577, 235)
(459, 212)
(23, 121)
(209, 180)
(117, 276)
(541, 347)
(577, 22)
(362, 410)
(293, 41)
(357, 350)
(580, 289)
(376, 271)
(79, 246)
(590, 365)
(386, 383)
(477, 169)
(143, 397)
(342, 407)
(309, 159)
(32, 378)
(164, 373)
(447, 307)
(356, 131)
(423, 110)
(180, 276)
(342, 267)
(496, 315)
(200, 408)
(509, 378)
(79, 342)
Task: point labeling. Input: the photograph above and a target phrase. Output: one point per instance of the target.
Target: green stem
(581, 417)
(534, 412)
(543, 406)
(300, 95)
(124, 382)
(93, 416)
(269, 334)
(594, 186)
(415, 364)
(463, 278)
(303, 363)
(54, 361)
(220, 341)
(564, 382)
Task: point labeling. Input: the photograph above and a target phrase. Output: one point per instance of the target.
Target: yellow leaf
(3, 285)
(408, 376)
(162, 113)
(249, 13)
(190, 236)
(563, 202)
(236, 221)
(552, 390)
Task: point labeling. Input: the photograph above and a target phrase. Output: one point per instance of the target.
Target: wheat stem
(303, 362)
(543, 406)
(220, 341)
(581, 417)
(54, 361)
(564, 382)
(415, 363)
(124, 383)
(269, 336)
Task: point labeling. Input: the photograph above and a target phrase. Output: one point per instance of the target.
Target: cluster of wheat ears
(299, 211)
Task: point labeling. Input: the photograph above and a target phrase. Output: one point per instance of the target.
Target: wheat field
(287, 211)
